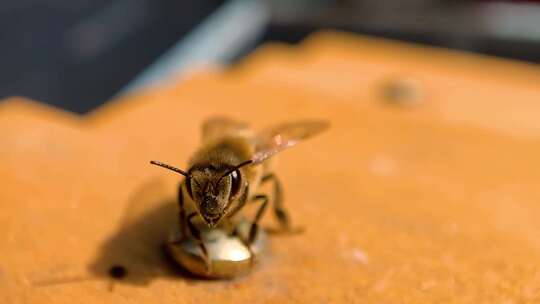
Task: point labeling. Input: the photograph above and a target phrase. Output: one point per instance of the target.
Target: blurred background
(79, 54)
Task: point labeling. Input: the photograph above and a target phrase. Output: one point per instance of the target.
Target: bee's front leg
(255, 224)
(196, 234)
(181, 213)
(181, 217)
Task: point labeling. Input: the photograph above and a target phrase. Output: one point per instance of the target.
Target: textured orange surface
(427, 203)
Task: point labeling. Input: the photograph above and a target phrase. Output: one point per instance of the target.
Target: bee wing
(280, 137)
(219, 126)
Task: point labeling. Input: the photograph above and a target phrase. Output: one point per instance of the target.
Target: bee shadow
(135, 253)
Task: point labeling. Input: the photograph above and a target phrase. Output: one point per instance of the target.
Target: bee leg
(182, 213)
(255, 224)
(232, 230)
(279, 209)
(254, 228)
(181, 218)
(197, 236)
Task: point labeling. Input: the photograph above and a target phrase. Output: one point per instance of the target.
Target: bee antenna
(247, 162)
(157, 163)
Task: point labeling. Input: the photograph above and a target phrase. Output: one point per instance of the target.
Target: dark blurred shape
(501, 28)
(76, 54)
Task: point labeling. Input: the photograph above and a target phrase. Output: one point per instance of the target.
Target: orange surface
(433, 202)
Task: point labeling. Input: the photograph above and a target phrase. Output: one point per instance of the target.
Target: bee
(227, 171)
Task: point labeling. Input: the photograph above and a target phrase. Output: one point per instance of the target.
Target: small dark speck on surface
(118, 272)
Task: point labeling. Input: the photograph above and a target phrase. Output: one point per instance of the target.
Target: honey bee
(227, 171)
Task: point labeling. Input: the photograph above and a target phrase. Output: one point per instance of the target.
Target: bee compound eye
(235, 182)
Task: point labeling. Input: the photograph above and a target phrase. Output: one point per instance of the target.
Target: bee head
(212, 188)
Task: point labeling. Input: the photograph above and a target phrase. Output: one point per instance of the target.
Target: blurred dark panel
(520, 50)
(508, 29)
(76, 54)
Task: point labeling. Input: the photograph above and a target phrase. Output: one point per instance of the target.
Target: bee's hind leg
(280, 212)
